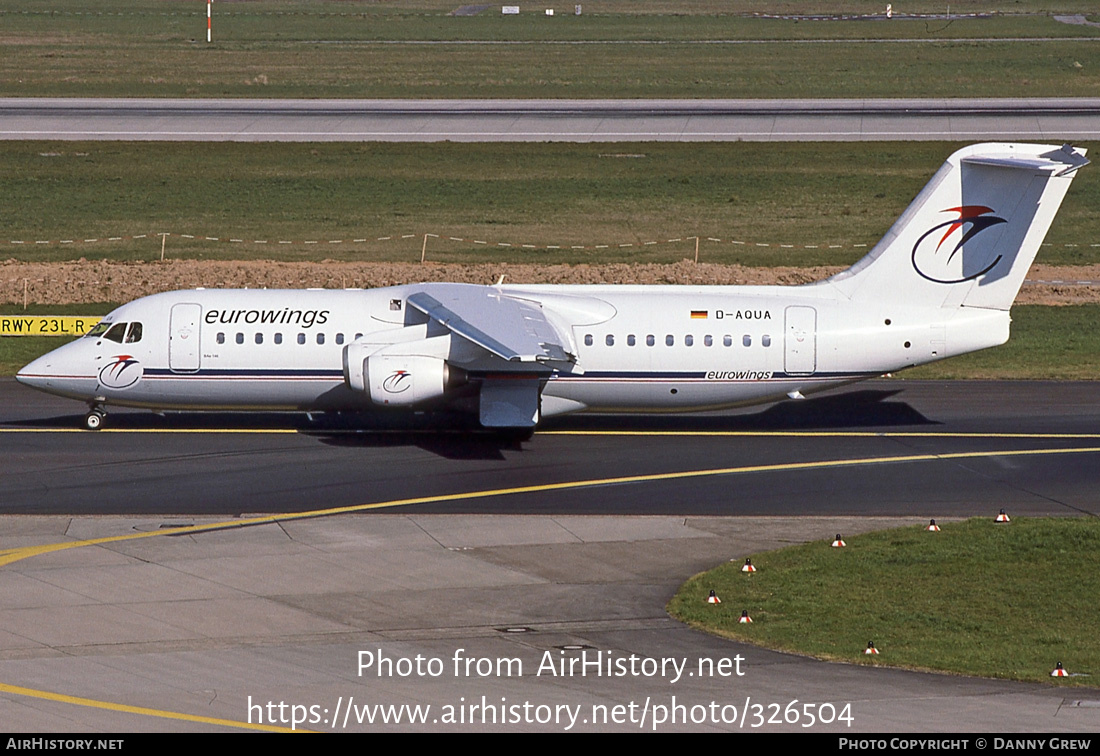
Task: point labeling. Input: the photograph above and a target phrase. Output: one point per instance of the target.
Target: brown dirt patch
(99, 281)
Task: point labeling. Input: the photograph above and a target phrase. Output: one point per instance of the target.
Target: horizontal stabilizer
(1060, 162)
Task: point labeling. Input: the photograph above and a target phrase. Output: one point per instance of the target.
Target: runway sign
(47, 325)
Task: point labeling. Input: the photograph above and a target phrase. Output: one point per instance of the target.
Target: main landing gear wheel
(93, 421)
(515, 435)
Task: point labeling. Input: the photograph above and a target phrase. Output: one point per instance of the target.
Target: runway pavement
(132, 622)
(1064, 119)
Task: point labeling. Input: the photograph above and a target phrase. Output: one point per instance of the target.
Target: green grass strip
(977, 598)
(299, 48)
(1046, 343)
(809, 203)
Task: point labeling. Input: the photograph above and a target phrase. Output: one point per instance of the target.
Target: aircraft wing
(516, 330)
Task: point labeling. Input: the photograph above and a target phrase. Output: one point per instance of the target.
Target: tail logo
(122, 373)
(935, 259)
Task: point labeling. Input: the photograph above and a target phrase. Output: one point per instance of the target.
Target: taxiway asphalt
(962, 448)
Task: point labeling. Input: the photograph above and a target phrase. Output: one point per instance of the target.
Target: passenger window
(727, 340)
(278, 338)
(746, 340)
(609, 340)
(240, 338)
(320, 338)
(134, 334)
(670, 340)
(630, 340)
(689, 340)
(259, 338)
(221, 338)
(766, 340)
(588, 339)
(708, 340)
(649, 340)
(339, 338)
(358, 336)
(117, 333)
(301, 338)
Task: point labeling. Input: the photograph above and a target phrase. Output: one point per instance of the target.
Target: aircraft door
(183, 338)
(800, 341)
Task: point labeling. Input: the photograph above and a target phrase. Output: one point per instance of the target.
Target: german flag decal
(700, 314)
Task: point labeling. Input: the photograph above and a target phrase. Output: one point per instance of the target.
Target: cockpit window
(99, 329)
(117, 333)
(134, 334)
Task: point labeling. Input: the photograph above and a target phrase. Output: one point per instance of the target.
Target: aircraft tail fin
(970, 236)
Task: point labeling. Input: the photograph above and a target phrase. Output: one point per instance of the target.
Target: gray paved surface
(198, 624)
(1063, 119)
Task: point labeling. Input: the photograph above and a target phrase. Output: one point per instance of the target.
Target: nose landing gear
(94, 420)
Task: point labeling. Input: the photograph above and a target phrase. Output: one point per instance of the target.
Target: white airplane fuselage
(642, 348)
(940, 283)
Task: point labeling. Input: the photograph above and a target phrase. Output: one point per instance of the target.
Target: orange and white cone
(839, 542)
(933, 527)
(1059, 671)
(745, 618)
(747, 567)
(871, 648)
(1002, 517)
(713, 598)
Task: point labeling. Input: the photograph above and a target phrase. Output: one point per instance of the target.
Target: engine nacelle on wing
(401, 380)
(400, 374)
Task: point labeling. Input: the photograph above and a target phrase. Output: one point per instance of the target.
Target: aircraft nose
(35, 374)
(60, 372)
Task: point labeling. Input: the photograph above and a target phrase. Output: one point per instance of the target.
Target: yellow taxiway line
(93, 703)
(622, 433)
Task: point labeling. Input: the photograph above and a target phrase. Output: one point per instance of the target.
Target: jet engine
(406, 379)
(400, 375)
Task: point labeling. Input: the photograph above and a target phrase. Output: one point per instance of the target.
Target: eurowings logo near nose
(940, 262)
(398, 382)
(122, 373)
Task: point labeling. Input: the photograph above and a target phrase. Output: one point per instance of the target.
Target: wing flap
(512, 329)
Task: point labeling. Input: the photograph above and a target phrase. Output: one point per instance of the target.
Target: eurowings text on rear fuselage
(939, 284)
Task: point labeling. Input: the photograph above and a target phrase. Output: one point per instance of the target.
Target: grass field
(1047, 343)
(615, 49)
(977, 598)
(831, 196)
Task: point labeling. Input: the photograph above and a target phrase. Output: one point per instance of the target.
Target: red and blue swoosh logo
(398, 382)
(936, 259)
(122, 372)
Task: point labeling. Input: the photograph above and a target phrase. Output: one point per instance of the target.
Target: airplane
(940, 283)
